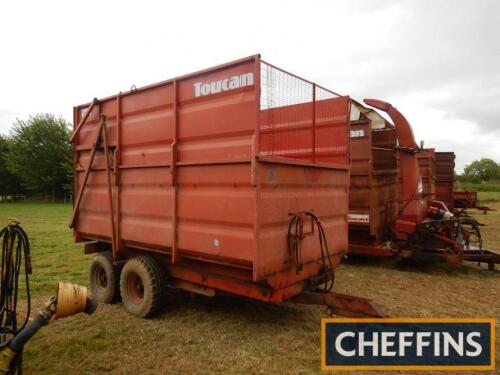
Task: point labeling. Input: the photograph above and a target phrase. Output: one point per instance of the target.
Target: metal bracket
(342, 304)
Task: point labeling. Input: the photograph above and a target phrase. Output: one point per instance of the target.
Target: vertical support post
(75, 172)
(314, 123)
(110, 188)
(255, 164)
(118, 162)
(75, 156)
(256, 134)
(173, 171)
(349, 158)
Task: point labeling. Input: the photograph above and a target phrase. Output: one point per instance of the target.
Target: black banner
(408, 344)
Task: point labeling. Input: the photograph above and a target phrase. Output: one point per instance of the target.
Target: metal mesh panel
(300, 120)
(331, 127)
(286, 114)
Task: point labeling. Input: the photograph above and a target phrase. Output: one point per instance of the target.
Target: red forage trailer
(232, 180)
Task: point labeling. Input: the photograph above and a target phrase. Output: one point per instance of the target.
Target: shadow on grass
(417, 266)
(179, 302)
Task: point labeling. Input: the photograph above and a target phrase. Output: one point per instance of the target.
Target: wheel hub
(135, 288)
(100, 278)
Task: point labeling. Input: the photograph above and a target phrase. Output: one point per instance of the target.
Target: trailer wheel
(104, 278)
(143, 286)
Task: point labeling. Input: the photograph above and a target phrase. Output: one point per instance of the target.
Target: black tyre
(143, 286)
(104, 278)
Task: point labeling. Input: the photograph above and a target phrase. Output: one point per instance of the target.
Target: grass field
(228, 335)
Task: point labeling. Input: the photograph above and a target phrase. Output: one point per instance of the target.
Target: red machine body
(373, 191)
(413, 205)
(445, 176)
(457, 200)
(424, 228)
(427, 164)
(202, 172)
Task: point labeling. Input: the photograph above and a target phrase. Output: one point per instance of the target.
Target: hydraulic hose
(70, 299)
(294, 238)
(17, 343)
(15, 266)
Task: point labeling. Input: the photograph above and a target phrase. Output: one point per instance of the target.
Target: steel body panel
(283, 189)
(286, 131)
(413, 207)
(465, 199)
(445, 172)
(373, 183)
(189, 187)
(427, 164)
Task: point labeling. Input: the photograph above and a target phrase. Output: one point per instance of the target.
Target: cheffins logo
(408, 344)
(231, 83)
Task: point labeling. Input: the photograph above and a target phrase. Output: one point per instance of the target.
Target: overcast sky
(437, 61)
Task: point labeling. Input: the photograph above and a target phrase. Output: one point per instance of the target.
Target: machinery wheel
(143, 286)
(104, 278)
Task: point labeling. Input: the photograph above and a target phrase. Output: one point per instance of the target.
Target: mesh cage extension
(300, 120)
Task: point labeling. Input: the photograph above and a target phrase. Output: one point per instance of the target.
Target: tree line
(481, 171)
(36, 158)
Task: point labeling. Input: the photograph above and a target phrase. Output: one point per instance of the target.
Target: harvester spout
(403, 127)
(413, 208)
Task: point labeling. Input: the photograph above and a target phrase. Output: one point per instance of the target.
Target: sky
(437, 61)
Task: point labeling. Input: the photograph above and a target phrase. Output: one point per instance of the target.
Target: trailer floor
(228, 335)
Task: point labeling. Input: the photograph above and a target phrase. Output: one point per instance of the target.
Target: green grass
(482, 187)
(53, 251)
(227, 335)
(486, 197)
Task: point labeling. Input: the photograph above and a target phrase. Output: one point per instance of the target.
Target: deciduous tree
(39, 153)
(9, 183)
(482, 170)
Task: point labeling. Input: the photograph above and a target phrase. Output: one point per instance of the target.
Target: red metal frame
(116, 171)
(373, 190)
(445, 167)
(173, 171)
(425, 228)
(100, 132)
(79, 196)
(413, 208)
(313, 123)
(110, 188)
(427, 165)
(192, 186)
(83, 120)
(462, 200)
